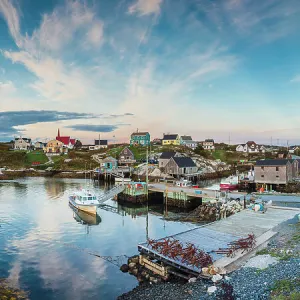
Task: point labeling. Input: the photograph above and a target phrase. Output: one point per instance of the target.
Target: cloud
(95, 34)
(11, 119)
(6, 88)
(295, 79)
(96, 128)
(145, 7)
(41, 53)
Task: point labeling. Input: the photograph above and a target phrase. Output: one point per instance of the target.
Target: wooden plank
(155, 268)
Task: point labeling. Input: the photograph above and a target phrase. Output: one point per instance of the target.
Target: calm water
(39, 234)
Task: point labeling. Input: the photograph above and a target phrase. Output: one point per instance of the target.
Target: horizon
(205, 69)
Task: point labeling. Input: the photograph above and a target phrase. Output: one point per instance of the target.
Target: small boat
(230, 183)
(185, 183)
(84, 200)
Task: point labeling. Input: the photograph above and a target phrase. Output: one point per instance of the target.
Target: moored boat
(84, 200)
(230, 183)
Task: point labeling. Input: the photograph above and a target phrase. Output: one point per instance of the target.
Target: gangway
(111, 193)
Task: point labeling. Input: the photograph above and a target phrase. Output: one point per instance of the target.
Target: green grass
(35, 156)
(219, 154)
(12, 159)
(285, 289)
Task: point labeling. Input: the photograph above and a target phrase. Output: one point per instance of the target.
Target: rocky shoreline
(279, 280)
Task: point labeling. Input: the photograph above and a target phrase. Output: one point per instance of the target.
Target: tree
(77, 145)
(200, 150)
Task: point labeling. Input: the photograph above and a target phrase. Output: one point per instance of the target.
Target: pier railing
(111, 193)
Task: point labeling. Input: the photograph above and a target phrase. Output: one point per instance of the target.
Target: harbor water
(53, 252)
(47, 249)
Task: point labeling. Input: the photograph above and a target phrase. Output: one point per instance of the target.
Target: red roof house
(66, 140)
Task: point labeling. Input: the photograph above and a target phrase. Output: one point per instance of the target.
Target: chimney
(58, 133)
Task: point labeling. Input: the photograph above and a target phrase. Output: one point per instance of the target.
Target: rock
(134, 271)
(135, 259)
(217, 278)
(192, 280)
(205, 271)
(132, 265)
(211, 289)
(153, 279)
(124, 268)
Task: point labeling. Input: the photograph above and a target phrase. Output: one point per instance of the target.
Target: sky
(210, 69)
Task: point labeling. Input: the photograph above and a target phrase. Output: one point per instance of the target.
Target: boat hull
(228, 186)
(89, 209)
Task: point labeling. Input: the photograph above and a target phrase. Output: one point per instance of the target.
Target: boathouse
(165, 157)
(109, 163)
(270, 173)
(126, 157)
(180, 166)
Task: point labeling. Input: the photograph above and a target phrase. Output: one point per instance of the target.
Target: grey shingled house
(180, 166)
(271, 172)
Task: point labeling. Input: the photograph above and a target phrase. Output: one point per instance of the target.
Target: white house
(250, 147)
(22, 144)
(187, 141)
(99, 144)
(208, 144)
(292, 149)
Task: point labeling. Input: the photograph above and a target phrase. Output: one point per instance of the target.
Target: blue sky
(205, 68)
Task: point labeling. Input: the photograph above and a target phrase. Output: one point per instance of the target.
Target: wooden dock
(218, 234)
(191, 192)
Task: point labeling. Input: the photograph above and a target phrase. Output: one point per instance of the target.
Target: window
(262, 175)
(277, 168)
(277, 176)
(262, 168)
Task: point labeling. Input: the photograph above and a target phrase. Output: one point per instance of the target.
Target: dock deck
(217, 234)
(191, 192)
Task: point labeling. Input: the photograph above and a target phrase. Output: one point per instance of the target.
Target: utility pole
(229, 140)
(147, 168)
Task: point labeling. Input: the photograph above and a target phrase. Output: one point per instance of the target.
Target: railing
(111, 193)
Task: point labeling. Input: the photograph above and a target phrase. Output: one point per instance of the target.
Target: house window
(277, 168)
(262, 168)
(262, 175)
(277, 176)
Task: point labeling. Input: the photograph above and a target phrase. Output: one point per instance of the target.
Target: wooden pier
(218, 234)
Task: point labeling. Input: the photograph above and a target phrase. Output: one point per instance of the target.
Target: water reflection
(84, 218)
(55, 188)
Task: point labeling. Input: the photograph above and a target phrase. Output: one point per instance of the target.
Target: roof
(186, 138)
(109, 158)
(272, 162)
(72, 141)
(170, 136)
(24, 139)
(139, 133)
(102, 142)
(127, 150)
(64, 139)
(167, 155)
(250, 143)
(209, 141)
(243, 145)
(184, 162)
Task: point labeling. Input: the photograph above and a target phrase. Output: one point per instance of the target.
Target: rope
(116, 260)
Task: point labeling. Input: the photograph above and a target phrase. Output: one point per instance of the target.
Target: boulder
(211, 289)
(124, 268)
(216, 278)
(132, 265)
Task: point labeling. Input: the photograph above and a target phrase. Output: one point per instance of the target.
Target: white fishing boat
(84, 200)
